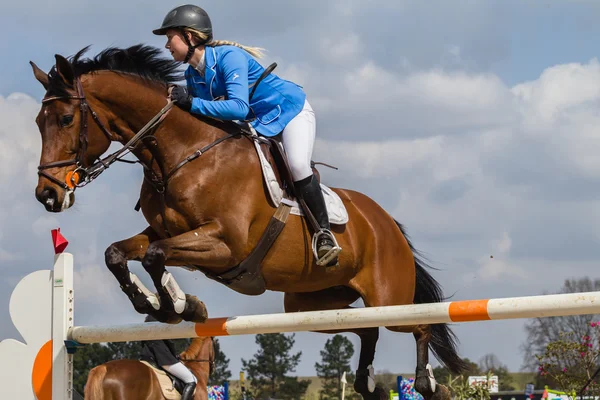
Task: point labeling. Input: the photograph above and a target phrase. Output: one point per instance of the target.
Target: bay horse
(132, 379)
(208, 208)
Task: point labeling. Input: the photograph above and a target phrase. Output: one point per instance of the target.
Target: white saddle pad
(335, 207)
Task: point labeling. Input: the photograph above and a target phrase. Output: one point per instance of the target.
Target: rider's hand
(181, 97)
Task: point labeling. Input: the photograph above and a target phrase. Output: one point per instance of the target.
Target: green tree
(86, 358)
(335, 360)
(221, 371)
(268, 370)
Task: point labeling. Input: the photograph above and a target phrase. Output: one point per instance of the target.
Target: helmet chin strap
(191, 48)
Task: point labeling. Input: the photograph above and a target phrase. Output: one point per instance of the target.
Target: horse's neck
(134, 103)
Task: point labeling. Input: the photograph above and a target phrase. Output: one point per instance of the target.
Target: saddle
(280, 184)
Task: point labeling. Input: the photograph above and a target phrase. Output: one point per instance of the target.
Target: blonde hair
(202, 37)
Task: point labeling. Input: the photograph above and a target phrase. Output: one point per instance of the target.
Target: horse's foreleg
(116, 257)
(203, 247)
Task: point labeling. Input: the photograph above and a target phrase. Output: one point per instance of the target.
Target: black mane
(141, 60)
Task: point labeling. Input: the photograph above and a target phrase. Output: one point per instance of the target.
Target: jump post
(51, 335)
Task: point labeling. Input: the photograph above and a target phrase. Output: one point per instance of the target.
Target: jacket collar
(210, 57)
(210, 62)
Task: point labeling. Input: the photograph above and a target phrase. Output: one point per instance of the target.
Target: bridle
(82, 175)
(72, 179)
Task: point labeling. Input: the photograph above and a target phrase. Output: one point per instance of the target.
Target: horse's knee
(113, 255)
(116, 261)
(155, 256)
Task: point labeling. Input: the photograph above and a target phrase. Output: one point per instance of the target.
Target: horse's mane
(140, 60)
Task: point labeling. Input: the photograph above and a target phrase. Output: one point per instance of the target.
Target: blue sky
(473, 123)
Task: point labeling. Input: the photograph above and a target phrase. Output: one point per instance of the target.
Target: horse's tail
(428, 290)
(93, 387)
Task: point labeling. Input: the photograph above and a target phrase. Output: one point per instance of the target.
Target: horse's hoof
(167, 317)
(195, 310)
(441, 393)
(378, 394)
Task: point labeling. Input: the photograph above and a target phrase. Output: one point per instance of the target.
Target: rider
(162, 354)
(277, 106)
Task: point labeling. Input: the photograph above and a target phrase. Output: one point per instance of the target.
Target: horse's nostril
(48, 197)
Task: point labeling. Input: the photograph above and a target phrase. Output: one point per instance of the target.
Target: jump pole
(406, 315)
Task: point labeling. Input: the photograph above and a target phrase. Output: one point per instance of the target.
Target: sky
(475, 124)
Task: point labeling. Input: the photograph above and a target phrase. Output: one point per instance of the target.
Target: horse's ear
(40, 75)
(64, 69)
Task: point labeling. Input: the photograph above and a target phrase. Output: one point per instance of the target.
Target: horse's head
(124, 86)
(69, 140)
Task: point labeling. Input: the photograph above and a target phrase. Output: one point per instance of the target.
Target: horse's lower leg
(365, 378)
(116, 257)
(425, 382)
(175, 305)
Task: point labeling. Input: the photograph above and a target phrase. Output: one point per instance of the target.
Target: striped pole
(406, 315)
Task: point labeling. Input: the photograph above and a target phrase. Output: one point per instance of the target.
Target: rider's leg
(182, 372)
(298, 139)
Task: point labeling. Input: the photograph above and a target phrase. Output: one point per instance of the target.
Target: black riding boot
(310, 190)
(188, 391)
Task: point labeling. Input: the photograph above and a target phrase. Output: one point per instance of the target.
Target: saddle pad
(166, 384)
(335, 207)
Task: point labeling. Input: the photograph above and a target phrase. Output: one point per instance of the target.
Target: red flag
(59, 241)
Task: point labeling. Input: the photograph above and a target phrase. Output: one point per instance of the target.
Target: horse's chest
(167, 221)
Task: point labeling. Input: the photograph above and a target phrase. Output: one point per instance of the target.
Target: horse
(206, 204)
(132, 379)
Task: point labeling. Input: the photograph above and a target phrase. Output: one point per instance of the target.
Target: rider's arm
(234, 70)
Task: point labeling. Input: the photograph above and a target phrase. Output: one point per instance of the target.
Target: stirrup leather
(331, 254)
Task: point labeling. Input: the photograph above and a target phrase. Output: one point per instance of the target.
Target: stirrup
(331, 254)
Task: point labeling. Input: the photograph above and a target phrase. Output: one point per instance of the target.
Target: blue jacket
(229, 71)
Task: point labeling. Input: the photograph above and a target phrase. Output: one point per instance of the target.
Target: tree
(335, 360)
(491, 365)
(571, 362)
(267, 371)
(86, 358)
(221, 371)
(542, 331)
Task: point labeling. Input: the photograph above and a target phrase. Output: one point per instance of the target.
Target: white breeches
(298, 140)
(180, 371)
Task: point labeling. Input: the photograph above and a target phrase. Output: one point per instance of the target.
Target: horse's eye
(66, 120)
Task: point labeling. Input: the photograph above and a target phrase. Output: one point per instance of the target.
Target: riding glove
(182, 97)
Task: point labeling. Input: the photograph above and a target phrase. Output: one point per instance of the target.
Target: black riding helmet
(187, 16)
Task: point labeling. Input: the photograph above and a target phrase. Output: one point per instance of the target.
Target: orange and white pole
(405, 315)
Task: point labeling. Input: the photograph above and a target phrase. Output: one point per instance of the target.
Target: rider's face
(176, 45)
